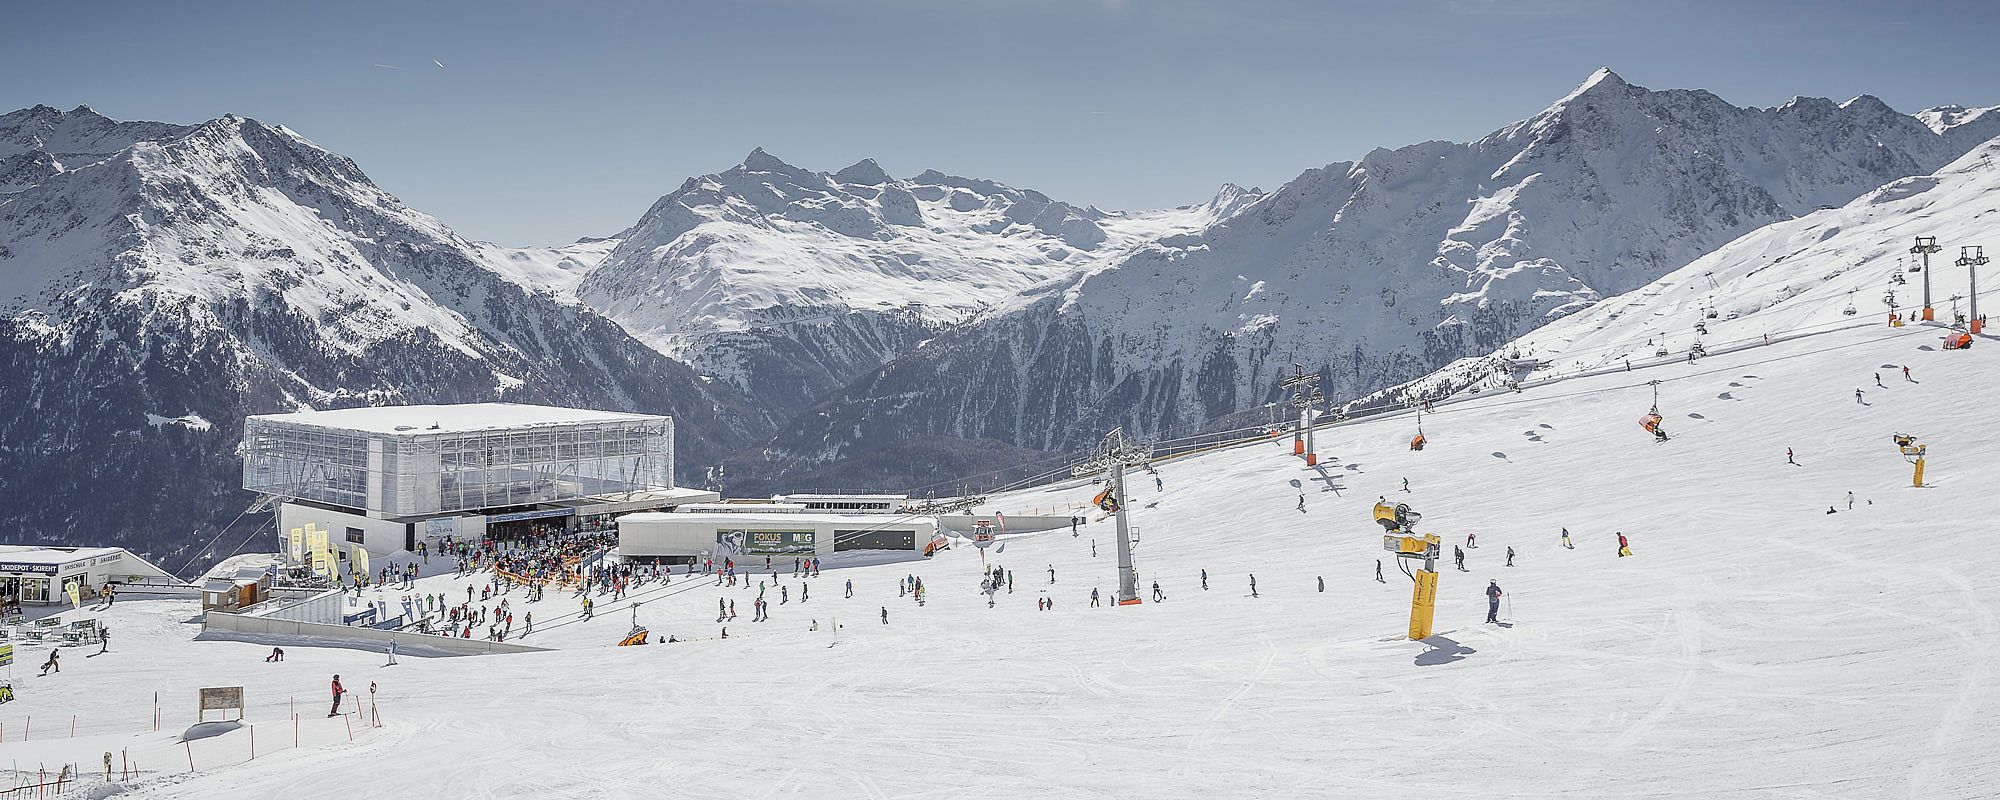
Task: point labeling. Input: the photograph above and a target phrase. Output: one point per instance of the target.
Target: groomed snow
(1755, 646)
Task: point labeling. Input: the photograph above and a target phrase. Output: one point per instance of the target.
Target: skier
(1072, 527)
(1302, 503)
(338, 692)
(1493, 601)
(528, 620)
(805, 591)
(1878, 380)
(392, 651)
(1093, 597)
(1850, 501)
(850, 587)
(1788, 456)
(103, 639)
(1322, 583)
(1157, 594)
(732, 609)
(1510, 555)
(1471, 541)
(1906, 374)
(1204, 579)
(1406, 484)
(1093, 548)
(1157, 485)
(1625, 547)
(1253, 585)
(1052, 574)
(1857, 397)
(1378, 571)
(1458, 555)
(885, 615)
(1566, 543)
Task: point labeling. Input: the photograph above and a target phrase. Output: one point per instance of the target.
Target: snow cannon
(1913, 451)
(1395, 518)
(1651, 422)
(1423, 595)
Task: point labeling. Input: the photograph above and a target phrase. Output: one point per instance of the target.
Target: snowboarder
(1510, 555)
(1493, 601)
(1253, 585)
(338, 692)
(1566, 543)
(1625, 547)
(1157, 594)
(54, 663)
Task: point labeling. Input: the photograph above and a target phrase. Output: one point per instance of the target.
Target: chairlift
(1710, 313)
(1701, 328)
(1651, 422)
(1849, 310)
(1417, 442)
(1662, 352)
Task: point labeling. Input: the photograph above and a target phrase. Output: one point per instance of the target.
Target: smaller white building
(688, 537)
(40, 575)
(847, 503)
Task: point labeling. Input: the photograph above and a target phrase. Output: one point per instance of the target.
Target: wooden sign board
(221, 698)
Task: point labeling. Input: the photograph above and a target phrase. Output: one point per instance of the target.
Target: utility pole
(1926, 245)
(1305, 396)
(1972, 257)
(1114, 455)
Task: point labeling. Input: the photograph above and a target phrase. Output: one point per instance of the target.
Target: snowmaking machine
(1408, 545)
(1913, 452)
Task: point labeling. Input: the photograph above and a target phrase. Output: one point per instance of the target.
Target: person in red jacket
(338, 692)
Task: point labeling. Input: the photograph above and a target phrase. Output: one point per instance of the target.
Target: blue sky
(551, 121)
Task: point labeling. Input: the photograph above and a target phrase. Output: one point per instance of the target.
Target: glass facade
(416, 473)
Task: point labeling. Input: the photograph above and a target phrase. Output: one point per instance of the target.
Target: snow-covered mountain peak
(863, 173)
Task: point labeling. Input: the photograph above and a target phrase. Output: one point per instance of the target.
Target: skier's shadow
(1443, 650)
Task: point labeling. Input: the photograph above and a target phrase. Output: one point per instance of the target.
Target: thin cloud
(390, 66)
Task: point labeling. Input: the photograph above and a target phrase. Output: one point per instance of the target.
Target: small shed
(246, 587)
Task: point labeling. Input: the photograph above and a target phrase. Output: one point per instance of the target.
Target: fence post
(190, 752)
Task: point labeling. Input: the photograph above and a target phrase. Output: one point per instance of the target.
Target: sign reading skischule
(766, 543)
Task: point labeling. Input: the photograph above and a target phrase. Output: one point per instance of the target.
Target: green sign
(745, 542)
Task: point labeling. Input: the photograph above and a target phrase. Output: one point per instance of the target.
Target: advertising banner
(360, 561)
(75, 591)
(298, 545)
(740, 542)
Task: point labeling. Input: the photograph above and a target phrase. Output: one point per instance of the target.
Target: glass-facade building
(414, 461)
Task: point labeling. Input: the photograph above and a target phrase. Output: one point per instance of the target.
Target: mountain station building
(383, 479)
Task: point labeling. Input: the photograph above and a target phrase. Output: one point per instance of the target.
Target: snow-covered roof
(42, 554)
(427, 420)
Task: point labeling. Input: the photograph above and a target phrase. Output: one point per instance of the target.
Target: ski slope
(1755, 646)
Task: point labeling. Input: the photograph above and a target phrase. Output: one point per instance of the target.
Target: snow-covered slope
(1379, 271)
(1755, 646)
(556, 269)
(1797, 276)
(788, 282)
(156, 295)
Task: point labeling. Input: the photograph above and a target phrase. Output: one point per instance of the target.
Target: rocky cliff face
(156, 295)
(1379, 271)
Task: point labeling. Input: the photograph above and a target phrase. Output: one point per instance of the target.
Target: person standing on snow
(338, 692)
(1093, 597)
(850, 587)
(1857, 397)
(885, 615)
(1566, 543)
(1253, 585)
(1493, 601)
(1906, 373)
(1204, 579)
(1458, 556)
(1378, 571)
(1624, 547)
(1510, 555)
(1302, 503)
(1052, 574)
(1157, 594)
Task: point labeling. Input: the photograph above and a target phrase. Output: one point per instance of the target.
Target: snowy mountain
(1379, 271)
(1842, 267)
(38, 142)
(157, 294)
(788, 283)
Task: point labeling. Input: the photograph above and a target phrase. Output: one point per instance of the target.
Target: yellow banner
(298, 544)
(75, 591)
(360, 561)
